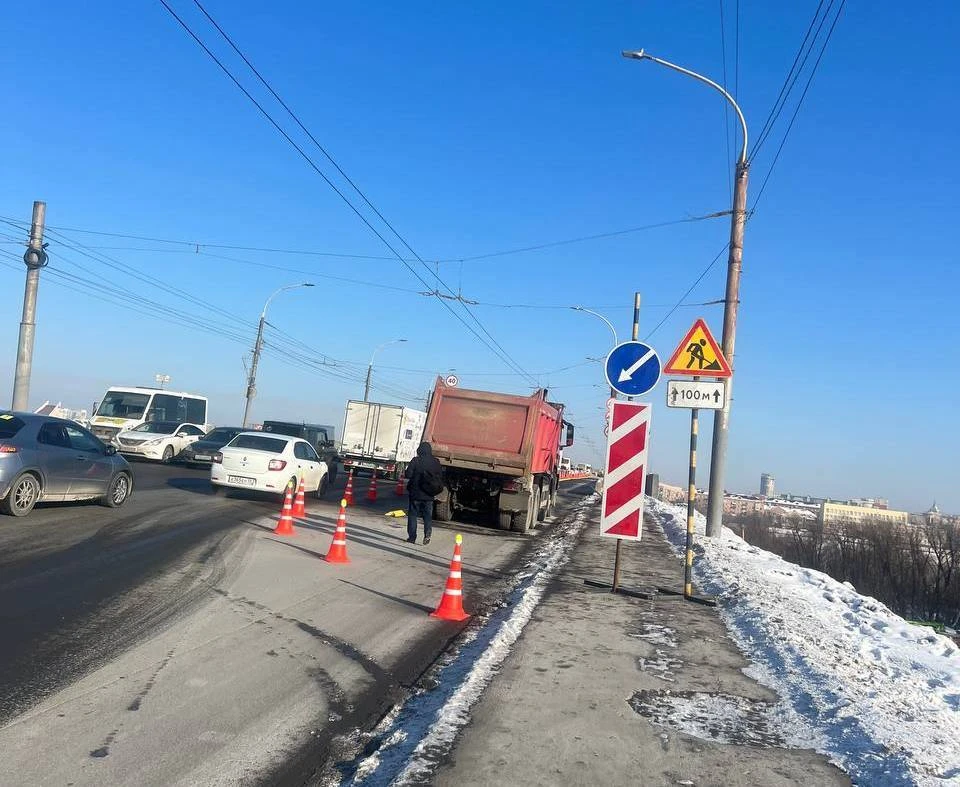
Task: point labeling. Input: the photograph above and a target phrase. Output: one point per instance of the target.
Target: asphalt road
(81, 583)
(177, 640)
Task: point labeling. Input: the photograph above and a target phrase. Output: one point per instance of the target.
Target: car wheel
(24, 494)
(119, 491)
(322, 488)
(167, 455)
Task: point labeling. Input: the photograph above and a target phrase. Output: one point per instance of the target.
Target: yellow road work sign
(698, 355)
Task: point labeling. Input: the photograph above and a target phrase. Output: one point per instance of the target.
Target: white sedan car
(267, 463)
(161, 440)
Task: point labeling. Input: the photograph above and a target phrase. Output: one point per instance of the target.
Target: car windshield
(157, 427)
(9, 425)
(221, 435)
(121, 404)
(254, 442)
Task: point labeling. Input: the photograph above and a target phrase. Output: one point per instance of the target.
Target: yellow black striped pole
(691, 500)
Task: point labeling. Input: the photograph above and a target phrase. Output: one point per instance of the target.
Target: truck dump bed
(493, 432)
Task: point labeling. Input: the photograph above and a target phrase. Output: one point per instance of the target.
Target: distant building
(672, 494)
(738, 505)
(870, 502)
(845, 514)
(767, 485)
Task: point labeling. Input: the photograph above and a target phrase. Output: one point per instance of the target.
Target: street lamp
(738, 218)
(366, 387)
(258, 346)
(616, 341)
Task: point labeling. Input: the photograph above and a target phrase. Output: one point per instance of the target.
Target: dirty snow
(878, 695)
(416, 736)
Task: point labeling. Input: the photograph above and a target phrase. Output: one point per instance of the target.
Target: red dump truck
(500, 454)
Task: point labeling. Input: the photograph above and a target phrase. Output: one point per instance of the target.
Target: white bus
(124, 407)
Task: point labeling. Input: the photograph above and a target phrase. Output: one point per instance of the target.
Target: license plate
(239, 479)
(202, 457)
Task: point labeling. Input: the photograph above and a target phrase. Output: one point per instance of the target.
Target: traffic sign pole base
(651, 593)
(706, 601)
(648, 593)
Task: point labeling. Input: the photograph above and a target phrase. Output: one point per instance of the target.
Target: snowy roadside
(882, 696)
(415, 737)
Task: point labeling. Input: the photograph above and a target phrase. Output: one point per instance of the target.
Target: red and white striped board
(621, 510)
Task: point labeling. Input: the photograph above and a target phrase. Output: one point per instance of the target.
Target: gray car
(44, 459)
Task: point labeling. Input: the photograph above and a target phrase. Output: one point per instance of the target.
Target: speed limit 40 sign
(705, 395)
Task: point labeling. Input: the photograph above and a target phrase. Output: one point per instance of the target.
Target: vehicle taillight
(8, 449)
(277, 464)
(217, 458)
(511, 486)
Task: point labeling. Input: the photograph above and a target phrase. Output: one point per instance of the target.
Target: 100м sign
(706, 395)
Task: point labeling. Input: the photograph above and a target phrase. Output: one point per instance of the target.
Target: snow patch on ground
(416, 736)
(878, 695)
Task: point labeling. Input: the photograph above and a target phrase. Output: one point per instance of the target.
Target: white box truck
(381, 437)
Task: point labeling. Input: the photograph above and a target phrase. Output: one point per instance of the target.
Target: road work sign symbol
(699, 355)
(621, 509)
(633, 368)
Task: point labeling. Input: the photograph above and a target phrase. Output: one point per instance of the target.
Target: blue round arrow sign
(633, 368)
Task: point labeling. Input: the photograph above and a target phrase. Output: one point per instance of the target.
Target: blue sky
(476, 130)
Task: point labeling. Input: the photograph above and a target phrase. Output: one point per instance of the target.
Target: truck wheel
(524, 522)
(544, 509)
(442, 510)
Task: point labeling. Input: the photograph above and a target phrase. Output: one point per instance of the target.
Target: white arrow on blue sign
(633, 368)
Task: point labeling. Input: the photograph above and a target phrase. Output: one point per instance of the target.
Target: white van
(124, 407)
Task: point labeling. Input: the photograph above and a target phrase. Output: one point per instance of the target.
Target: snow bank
(880, 696)
(417, 735)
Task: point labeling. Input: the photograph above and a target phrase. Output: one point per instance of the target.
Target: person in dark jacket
(423, 474)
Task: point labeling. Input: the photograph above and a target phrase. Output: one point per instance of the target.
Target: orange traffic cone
(348, 492)
(285, 525)
(399, 491)
(299, 502)
(338, 547)
(372, 491)
(451, 604)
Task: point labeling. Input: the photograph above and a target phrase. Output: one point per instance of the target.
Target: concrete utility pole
(34, 258)
(366, 385)
(738, 219)
(258, 347)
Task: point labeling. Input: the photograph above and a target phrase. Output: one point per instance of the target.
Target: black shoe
(426, 540)
(414, 541)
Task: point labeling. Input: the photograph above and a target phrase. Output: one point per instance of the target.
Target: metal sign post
(691, 503)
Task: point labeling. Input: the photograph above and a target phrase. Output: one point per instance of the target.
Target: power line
(790, 80)
(197, 247)
(312, 273)
(689, 290)
(803, 95)
(495, 347)
(597, 236)
(100, 290)
(505, 355)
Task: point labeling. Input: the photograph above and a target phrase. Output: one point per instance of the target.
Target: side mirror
(569, 441)
(110, 450)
